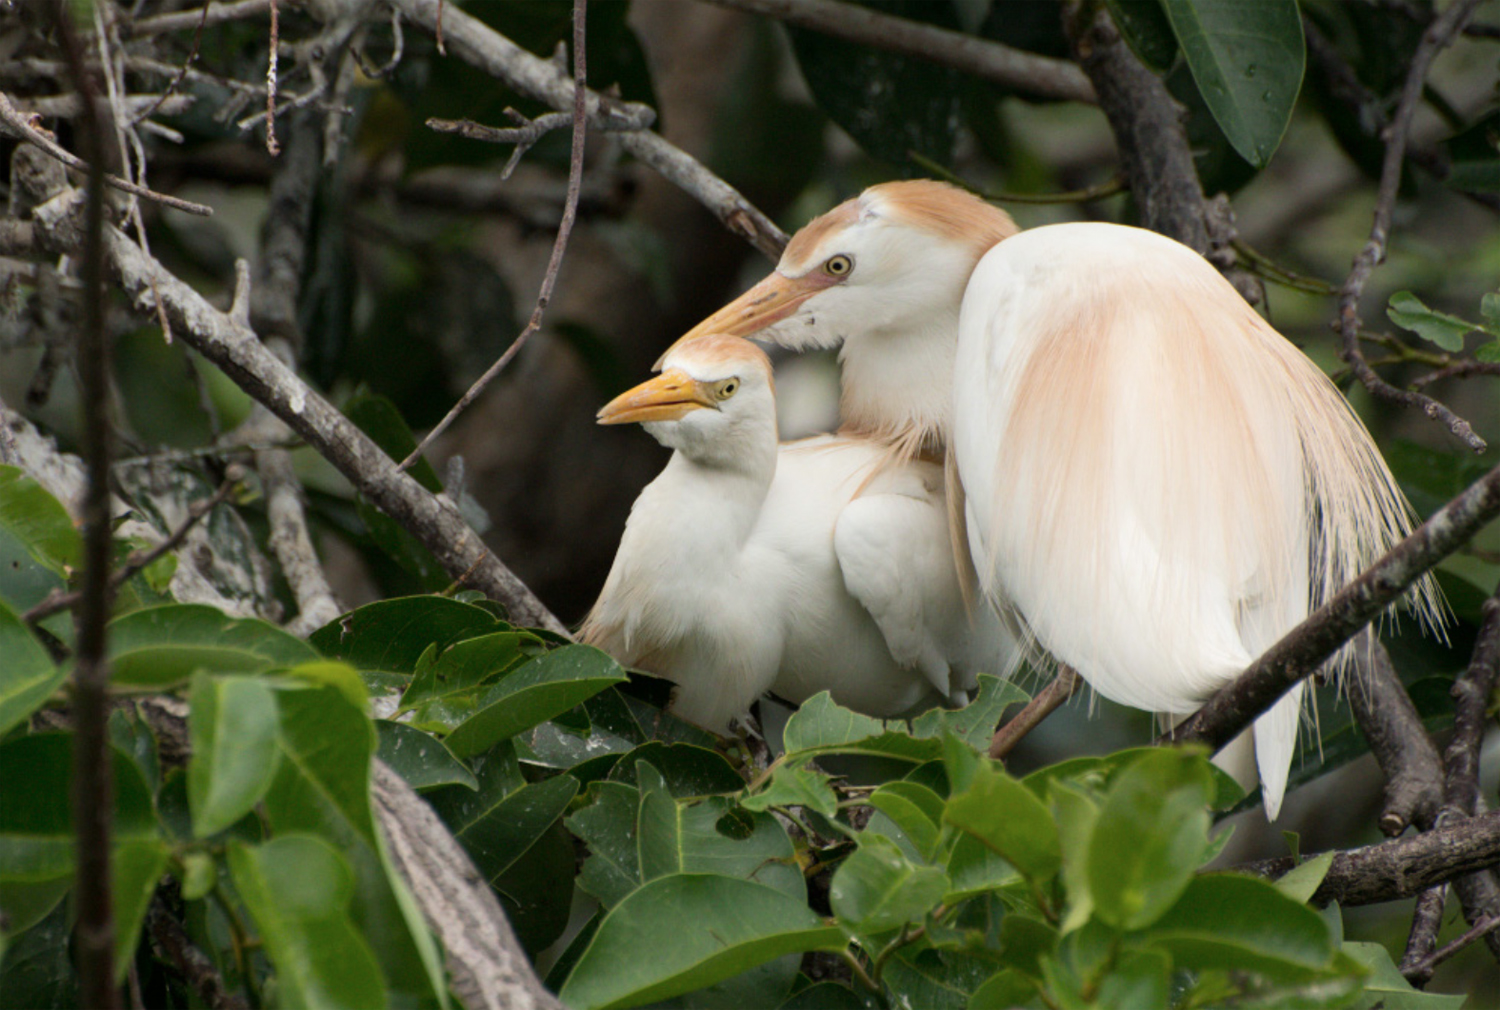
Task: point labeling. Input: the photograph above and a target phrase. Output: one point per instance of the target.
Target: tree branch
(1303, 649)
(211, 14)
(471, 40)
(1438, 34)
(1390, 723)
(1038, 76)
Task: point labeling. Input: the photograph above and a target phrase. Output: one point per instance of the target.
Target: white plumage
(749, 566)
(1152, 478)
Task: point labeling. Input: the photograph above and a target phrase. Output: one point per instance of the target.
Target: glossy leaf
(1008, 818)
(538, 691)
(917, 810)
(137, 865)
(160, 646)
(641, 953)
(38, 521)
(975, 723)
(696, 837)
(935, 979)
(1247, 57)
(822, 726)
(424, 761)
(298, 889)
(445, 682)
(1410, 313)
(1224, 921)
(232, 725)
(1387, 988)
(608, 825)
(795, 786)
(689, 770)
(497, 835)
(878, 888)
(391, 635)
(27, 676)
(1149, 838)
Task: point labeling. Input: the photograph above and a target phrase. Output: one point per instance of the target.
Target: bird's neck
(898, 383)
(711, 507)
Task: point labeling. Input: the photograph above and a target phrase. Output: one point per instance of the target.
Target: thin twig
(93, 778)
(211, 14)
(274, 55)
(1422, 940)
(1423, 969)
(18, 124)
(564, 229)
(1438, 35)
(172, 940)
(1458, 370)
(1047, 701)
(57, 601)
(524, 135)
(187, 64)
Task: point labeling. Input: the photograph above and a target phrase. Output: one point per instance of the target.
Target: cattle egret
(749, 566)
(1153, 479)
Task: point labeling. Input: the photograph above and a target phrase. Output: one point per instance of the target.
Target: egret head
(894, 259)
(714, 401)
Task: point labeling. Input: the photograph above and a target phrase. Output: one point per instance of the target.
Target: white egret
(749, 566)
(1153, 478)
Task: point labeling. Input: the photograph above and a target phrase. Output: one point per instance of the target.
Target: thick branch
(475, 42)
(1402, 867)
(490, 970)
(1021, 71)
(1385, 713)
(1303, 649)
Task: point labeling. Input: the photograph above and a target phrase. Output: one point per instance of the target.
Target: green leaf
(137, 865)
(1387, 988)
(608, 825)
(1408, 312)
(1247, 57)
(821, 726)
(496, 835)
(1076, 814)
(1236, 923)
(878, 888)
(233, 725)
(157, 647)
(934, 979)
(642, 953)
(30, 514)
(711, 836)
(1008, 818)
(795, 786)
(1149, 837)
(1003, 991)
(1301, 882)
(975, 723)
(1489, 307)
(1145, 28)
(423, 760)
(973, 869)
(298, 890)
(689, 770)
(1475, 154)
(445, 684)
(391, 635)
(27, 676)
(916, 810)
(541, 689)
(824, 996)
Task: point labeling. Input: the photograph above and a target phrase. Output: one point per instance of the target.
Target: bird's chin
(802, 331)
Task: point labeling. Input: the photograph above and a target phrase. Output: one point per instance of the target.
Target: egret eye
(727, 388)
(838, 266)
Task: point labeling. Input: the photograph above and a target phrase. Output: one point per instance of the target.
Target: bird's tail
(1275, 744)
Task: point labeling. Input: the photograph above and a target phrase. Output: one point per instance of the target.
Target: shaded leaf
(39, 522)
(689, 770)
(1144, 26)
(27, 676)
(136, 865)
(878, 888)
(232, 725)
(608, 825)
(917, 810)
(1388, 989)
(1475, 156)
(298, 889)
(795, 786)
(532, 694)
(391, 635)
(1248, 59)
(822, 726)
(642, 954)
(1235, 923)
(1008, 818)
(423, 760)
(159, 646)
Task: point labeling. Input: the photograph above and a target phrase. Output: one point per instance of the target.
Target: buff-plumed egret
(1153, 478)
(749, 566)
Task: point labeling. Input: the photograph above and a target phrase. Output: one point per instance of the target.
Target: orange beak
(671, 395)
(770, 301)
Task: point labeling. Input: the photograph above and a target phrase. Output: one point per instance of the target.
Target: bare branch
(1047, 701)
(524, 134)
(1423, 968)
(211, 14)
(1457, 370)
(1021, 71)
(554, 264)
(171, 939)
(1438, 34)
(1422, 940)
(475, 42)
(20, 128)
(1390, 723)
(1303, 649)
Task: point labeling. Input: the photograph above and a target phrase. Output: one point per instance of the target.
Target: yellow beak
(669, 396)
(770, 301)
